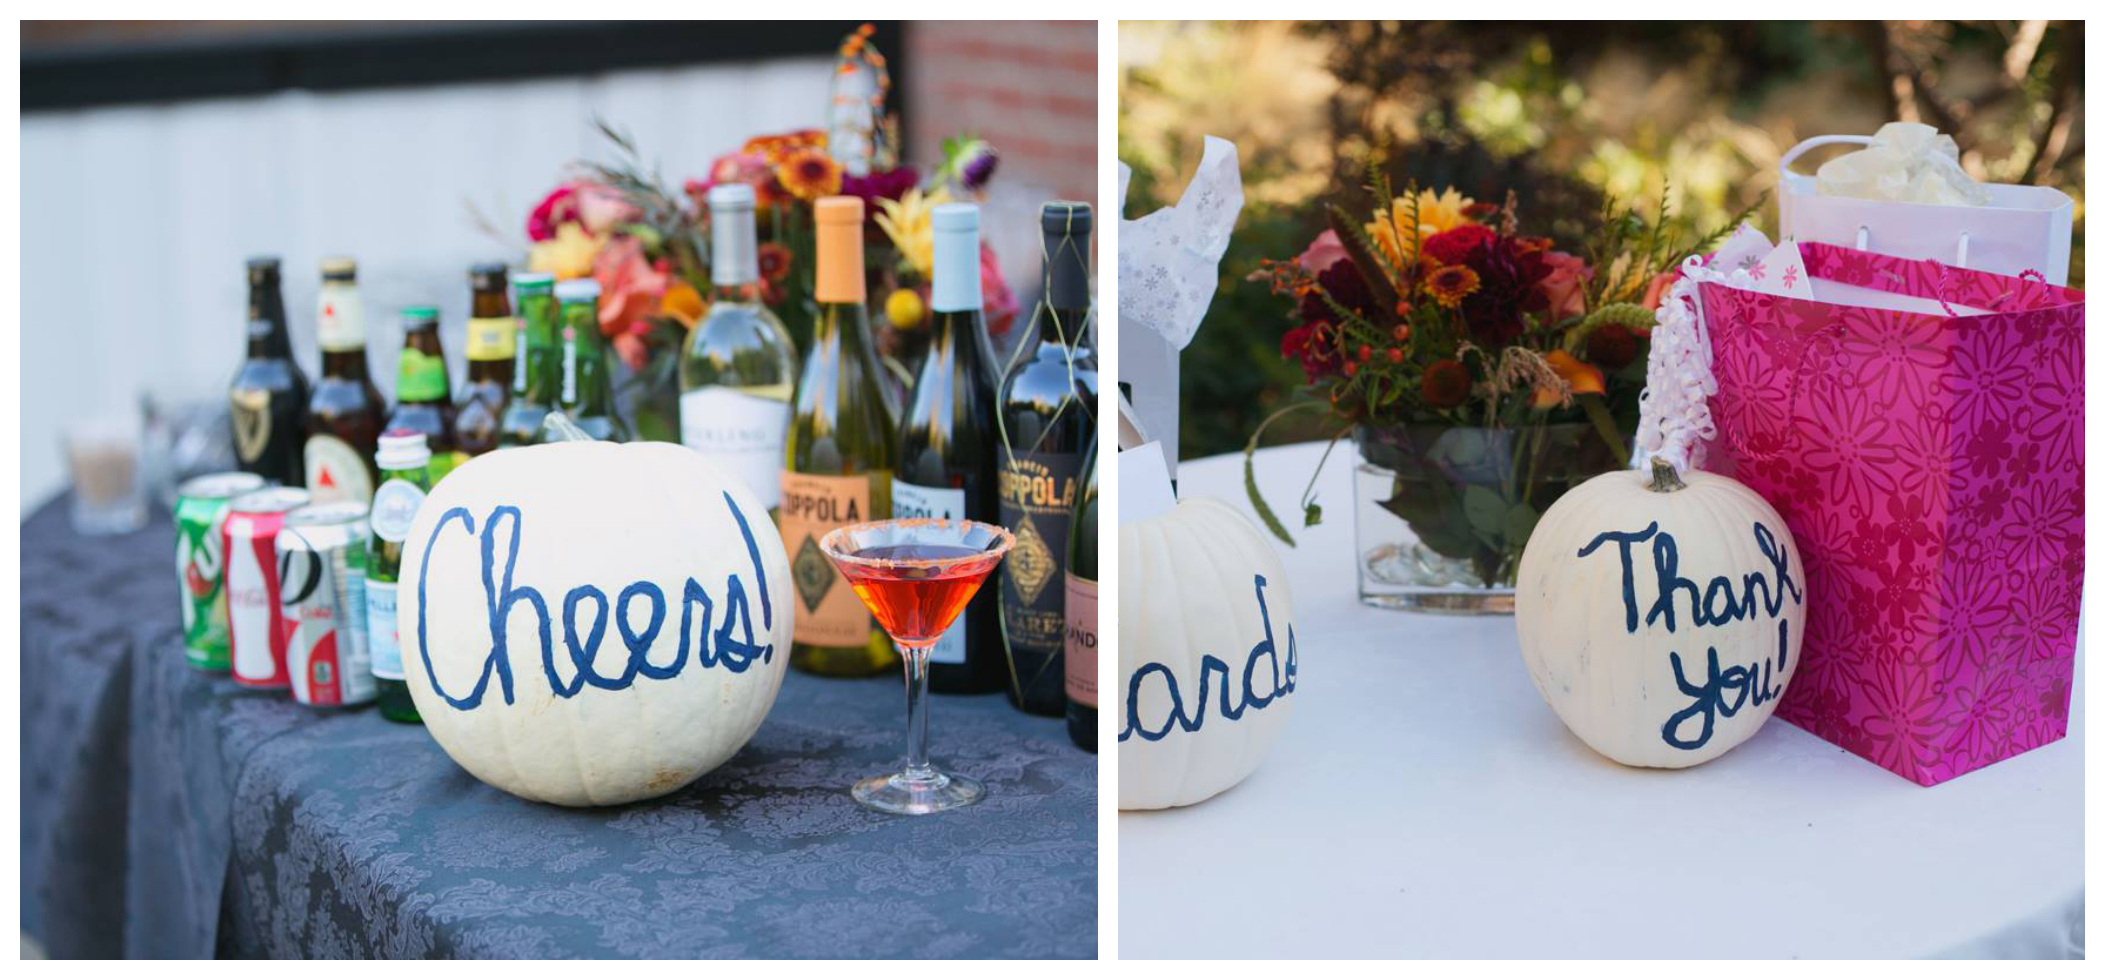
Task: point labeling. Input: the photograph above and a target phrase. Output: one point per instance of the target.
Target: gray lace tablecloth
(166, 813)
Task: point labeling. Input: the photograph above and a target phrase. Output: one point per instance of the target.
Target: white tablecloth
(1425, 802)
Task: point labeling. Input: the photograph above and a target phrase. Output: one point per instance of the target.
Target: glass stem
(917, 768)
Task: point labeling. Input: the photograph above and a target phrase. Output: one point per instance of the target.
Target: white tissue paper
(1906, 162)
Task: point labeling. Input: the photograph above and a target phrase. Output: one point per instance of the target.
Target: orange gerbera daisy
(809, 174)
(778, 147)
(1450, 284)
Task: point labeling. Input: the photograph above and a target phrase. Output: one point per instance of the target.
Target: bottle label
(912, 500)
(829, 613)
(251, 413)
(382, 642)
(421, 377)
(335, 471)
(569, 394)
(1038, 492)
(394, 507)
(741, 432)
(490, 338)
(1081, 640)
(340, 320)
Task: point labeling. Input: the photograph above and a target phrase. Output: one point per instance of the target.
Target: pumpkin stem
(1664, 479)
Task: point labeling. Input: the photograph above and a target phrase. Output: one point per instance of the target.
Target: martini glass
(916, 575)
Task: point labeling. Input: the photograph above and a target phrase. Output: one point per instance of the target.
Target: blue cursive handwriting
(735, 647)
(1265, 650)
(1721, 692)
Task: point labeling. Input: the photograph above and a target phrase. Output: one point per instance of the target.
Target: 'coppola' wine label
(335, 471)
(829, 614)
(1081, 640)
(910, 500)
(740, 432)
(383, 643)
(490, 338)
(1037, 504)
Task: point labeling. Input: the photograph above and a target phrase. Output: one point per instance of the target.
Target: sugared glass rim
(831, 544)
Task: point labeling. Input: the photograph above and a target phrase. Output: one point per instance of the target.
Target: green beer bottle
(587, 393)
(535, 380)
(405, 477)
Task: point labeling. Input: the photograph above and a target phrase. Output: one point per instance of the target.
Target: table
(1424, 802)
(167, 813)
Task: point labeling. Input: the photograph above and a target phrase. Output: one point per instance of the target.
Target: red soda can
(321, 571)
(255, 620)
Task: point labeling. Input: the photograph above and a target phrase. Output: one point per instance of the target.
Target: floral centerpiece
(647, 243)
(1482, 373)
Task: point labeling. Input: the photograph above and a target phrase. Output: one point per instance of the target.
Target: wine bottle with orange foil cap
(840, 457)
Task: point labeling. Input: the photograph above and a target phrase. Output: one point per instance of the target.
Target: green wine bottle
(839, 461)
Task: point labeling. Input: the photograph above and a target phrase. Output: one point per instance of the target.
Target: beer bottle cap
(487, 276)
(532, 282)
(339, 268)
(263, 269)
(577, 290)
(837, 210)
(731, 197)
(402, 449)
(420, 314)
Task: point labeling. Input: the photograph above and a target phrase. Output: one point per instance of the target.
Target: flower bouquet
(1480, 371)
(647, 244)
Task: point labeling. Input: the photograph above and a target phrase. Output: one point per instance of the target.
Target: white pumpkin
(1659, 675)
(588, 624)
(1207, 656)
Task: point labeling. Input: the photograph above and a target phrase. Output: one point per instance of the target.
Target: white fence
(136, 220)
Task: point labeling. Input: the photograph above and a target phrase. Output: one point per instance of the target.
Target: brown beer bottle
(346, 411)
(267, 401)
(423, 395)
(492, 336)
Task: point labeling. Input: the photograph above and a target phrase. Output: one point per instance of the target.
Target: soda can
(200, 567)
(321, 575)
(255, 621)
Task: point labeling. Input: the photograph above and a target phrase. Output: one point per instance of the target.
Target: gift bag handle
(1863, 243)
(1784, 165)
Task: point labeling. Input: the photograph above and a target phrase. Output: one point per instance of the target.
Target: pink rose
(1565, 286)
(994, 293)
(630, 290)
(602, 209)
(739, 168)
(1322, 253)
(559, 207)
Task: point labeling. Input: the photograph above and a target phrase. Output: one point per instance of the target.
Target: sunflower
(1436, 213)
(1450, 284)
(809, 174)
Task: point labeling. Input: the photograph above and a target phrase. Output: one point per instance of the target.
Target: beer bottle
(947, 441)
(268, 400)
(838, 465)
(535, 380)
(345, 415)
(587, 390)
(405, 463)
(1048, 418)
(423, 395)
(1080, 654)
(492, 337)
(740, 365)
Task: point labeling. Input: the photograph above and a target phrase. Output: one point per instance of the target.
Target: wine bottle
(947, 440)
(740, 366)
(1080, 655)
(838, 463)
(1048, 418)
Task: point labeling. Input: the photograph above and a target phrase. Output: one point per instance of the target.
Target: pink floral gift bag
(1920, 427)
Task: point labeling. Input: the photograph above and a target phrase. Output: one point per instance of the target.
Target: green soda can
(200, 565)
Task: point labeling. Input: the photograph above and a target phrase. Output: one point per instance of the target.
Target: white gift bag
(2022, 228)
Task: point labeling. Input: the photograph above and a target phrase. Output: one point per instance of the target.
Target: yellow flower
(908, 222)
(903, 309)
(809, 174)
(569, 255)
(1451, 284)
(684, 303)
(1436, 213)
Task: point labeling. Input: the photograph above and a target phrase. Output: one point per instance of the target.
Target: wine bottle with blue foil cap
(739, 368)
(947, 442)
(1047, 422)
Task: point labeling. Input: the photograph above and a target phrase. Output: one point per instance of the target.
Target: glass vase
(1441, 513)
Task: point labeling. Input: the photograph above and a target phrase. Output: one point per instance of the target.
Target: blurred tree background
(1564, 115)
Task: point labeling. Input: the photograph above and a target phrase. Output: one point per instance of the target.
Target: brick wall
(1029, 87)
